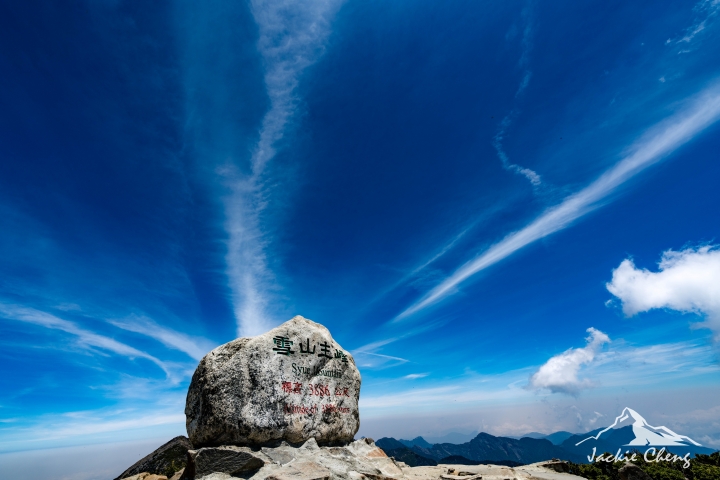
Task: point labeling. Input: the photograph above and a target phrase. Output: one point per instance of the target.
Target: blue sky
(507, 211)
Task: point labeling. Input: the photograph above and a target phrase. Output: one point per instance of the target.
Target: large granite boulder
(292, 383)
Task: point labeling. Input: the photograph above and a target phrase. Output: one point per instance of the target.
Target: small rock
(226, 459)
(630, 471)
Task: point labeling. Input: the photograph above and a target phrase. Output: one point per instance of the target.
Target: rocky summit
(359, 460)
(291, 384)
(284, 406)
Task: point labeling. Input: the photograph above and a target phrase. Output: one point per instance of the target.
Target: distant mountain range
(419, 441)
(630, 431)
(555, 438)
(484, 448)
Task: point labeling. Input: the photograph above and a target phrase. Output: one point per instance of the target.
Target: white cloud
(367, 356)
(292, 37)
(657, 143)
(531, 175)
(85, 339)
(506, 122)
(195, 347)
(415, 376)
(560, 373)
(706, 11)
(378, 361)
(686, 281)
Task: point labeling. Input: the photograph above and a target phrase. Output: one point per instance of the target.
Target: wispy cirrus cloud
(194, 347)
(292, 37)
(378, 361)
(659, 141)
(423, 271)
(368, 355)
(506, 122)
(706, 11)
(85, 338)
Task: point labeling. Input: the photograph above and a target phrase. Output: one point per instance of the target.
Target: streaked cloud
(368, 355)
(84, 338)
(560, 373)
(706, 11)
(653, 146)
(627, 365)
(505, 124)
(292, 37)
(686, 281)
(500, 136)
(377, 361)
(194, 347)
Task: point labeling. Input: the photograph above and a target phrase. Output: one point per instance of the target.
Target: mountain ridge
(573, 447)
(486, 447)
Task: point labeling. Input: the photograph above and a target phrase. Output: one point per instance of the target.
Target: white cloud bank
(657, 143)
(560, 373)
(686, 281)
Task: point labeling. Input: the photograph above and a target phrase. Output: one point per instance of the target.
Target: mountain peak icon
(645, 434)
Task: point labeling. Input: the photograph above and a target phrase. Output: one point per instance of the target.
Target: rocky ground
(360, 460)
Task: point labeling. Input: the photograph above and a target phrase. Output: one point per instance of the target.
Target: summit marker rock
(292, 383)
